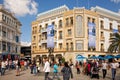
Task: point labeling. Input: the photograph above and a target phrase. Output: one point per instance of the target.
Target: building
(9, 34)
(78, 32)
(25, 51)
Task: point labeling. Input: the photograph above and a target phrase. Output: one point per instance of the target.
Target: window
(118, 28)
(40, 27)
(71, 46)
(53, 23)
(101, 24)
(60, 24)
(88, 19)
(111, 34)
(34, 37)
(67, 21)
(17, 38)
(102, 35)
(4, 34)
(111, 26)
(102, 47)
(4, 47)
(60, 35)
(0, 46)
(69, 32)
(46, 26)
(67, 46)
(39, 47)
(93, 20)
(71, 20)
(60, 45)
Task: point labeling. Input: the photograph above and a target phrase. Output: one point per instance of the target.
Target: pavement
(26, 75)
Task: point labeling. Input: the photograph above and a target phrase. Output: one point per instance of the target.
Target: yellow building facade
(72, 32)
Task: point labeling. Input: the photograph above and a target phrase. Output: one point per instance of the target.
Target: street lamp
(50, 50)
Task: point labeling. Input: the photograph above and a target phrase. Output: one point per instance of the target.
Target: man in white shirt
(104, 68)
(114, 65)
(46, 69)
(3, 66)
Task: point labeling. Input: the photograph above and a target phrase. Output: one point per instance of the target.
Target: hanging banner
(115, 30)
(50, 36)
(91, 36)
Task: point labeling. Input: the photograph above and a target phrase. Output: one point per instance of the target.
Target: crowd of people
(13, 65)
(89, 68)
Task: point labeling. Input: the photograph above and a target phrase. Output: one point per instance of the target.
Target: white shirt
(3, 64)
(104, 65)
(114, 65)
(47, 67)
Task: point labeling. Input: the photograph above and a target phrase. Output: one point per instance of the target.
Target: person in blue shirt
(55, 71)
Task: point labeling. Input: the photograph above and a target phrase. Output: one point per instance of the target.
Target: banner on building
(50, 36)
(115, 30)
(91, 36)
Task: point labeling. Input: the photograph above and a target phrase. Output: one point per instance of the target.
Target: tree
(115, 43)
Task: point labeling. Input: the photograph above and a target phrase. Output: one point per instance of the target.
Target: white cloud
(21, 7)
(25, 43)
(115, 1)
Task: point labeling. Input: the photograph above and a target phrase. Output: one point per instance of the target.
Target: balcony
(39, 43)
(69, 36)
(102, 38)
(59, 49)
(44, 30)
(43, 41)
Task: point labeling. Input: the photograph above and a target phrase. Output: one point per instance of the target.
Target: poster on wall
(50, 36)
(91, 36)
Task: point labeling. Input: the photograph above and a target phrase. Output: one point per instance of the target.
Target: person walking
(46, 69)
(104, 68)
(77, 67)
(88, 68)
(55, 71)
(114, 65)
(67, 72)
(3, 65)
(18, 66)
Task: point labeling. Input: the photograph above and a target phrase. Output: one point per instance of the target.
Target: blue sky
(27, 10)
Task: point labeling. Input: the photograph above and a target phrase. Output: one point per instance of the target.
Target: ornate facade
(9, 33)
(78, 31)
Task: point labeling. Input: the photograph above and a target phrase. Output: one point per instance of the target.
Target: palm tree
(115, 43)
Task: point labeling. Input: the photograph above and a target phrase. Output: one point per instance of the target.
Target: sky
(26, 10)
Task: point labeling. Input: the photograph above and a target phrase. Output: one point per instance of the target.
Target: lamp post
(50, 51)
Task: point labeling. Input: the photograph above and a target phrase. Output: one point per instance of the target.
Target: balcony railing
(43, 30)
(69, 35)
(43, 41)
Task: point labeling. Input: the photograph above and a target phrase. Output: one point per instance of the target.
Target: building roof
(58, 9)
(105, 11)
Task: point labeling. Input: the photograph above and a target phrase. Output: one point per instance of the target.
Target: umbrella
(117, 56)
(93, 57)
(100, 57)
(80, 57)
(109, 57)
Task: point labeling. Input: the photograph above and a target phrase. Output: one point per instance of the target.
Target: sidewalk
(25, 75)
